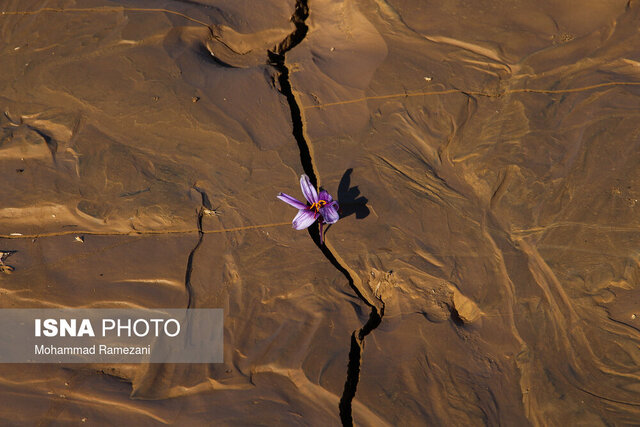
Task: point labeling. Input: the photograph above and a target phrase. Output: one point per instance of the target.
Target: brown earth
(485, 270)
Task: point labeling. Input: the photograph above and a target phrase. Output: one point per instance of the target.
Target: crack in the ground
(277, 60)
(353, 368)
(206, 205)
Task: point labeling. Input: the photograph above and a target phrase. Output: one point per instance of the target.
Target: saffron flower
(320, 207)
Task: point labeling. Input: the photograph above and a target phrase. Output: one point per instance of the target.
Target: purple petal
(324, 195)
(304, 219)
(308, 190)
(291, 201)
(330, 213)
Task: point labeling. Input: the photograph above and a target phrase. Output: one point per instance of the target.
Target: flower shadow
(350, 201)
(349, 198)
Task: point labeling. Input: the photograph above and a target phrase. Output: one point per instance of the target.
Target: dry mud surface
(485, 270)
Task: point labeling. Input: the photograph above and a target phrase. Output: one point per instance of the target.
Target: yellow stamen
(317, 205)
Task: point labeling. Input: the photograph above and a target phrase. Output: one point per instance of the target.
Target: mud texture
(485, 156)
